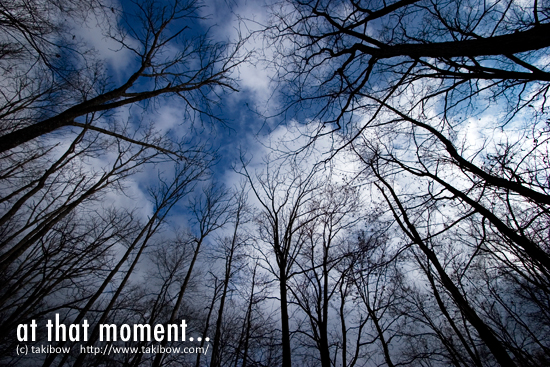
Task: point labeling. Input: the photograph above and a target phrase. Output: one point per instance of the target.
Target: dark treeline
(410, 228)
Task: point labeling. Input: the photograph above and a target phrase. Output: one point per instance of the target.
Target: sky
(249, 128)
(244, 128)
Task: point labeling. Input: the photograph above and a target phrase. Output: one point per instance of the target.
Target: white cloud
(94, 33)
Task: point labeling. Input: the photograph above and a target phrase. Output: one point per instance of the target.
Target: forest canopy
(310, 183)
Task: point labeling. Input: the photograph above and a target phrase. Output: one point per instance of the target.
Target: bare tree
(232, 248)
(400, 84)
(211, 211)
(285, 194)
(344, 52)
(145, 29)
(169, 194)
(61, 271)
(317, 280)
(66, 152)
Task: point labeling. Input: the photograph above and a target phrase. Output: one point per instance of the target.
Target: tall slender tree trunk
(285, 329)
(215, 362)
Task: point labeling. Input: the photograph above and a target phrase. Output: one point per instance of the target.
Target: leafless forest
(390, 204)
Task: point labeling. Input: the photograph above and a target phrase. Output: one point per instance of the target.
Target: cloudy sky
(248, 126)
(243, 112)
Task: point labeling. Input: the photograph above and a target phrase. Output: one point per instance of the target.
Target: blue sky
(244, 126)
(241, 111)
